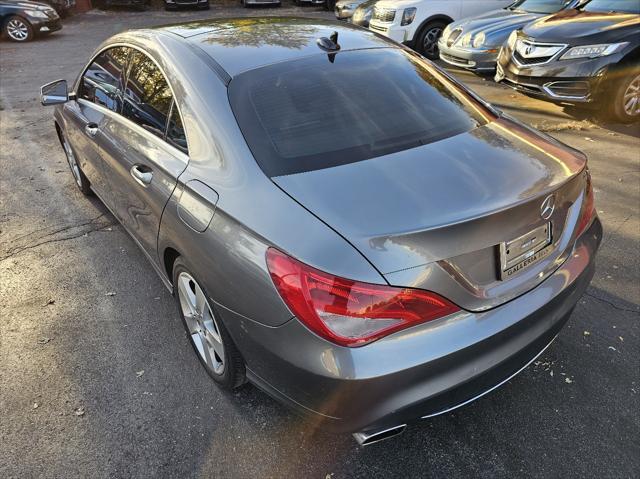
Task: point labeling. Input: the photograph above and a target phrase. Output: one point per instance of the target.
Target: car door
(145, 151)
(470, 8)
(98, 97)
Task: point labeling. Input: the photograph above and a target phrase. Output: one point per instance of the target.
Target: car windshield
(329, 110)
(540, 6)
(618, 6)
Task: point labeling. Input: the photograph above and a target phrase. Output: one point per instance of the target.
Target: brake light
(588, 208)
(346, 312)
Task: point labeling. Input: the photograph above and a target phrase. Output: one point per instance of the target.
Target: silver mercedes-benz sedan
(342, 223)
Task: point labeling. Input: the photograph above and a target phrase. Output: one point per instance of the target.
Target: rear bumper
(419, 372)
(476, 60)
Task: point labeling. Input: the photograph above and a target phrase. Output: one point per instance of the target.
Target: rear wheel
(210, 340)
(18, 29)
(625, 106)
(427, 41)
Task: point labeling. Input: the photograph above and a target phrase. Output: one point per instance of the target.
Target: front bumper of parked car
(580, 81)
(415, 373)
(45, 25)
(476, 59)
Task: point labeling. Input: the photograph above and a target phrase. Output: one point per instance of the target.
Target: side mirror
(54, 93)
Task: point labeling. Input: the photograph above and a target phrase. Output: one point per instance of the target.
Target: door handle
(91, 129)
(142, 174)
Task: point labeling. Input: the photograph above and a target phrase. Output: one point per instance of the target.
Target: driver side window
(103, 81)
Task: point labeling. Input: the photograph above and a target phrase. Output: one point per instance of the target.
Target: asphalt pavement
(97, 378)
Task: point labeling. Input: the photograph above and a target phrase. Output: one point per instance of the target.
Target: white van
(419, 23)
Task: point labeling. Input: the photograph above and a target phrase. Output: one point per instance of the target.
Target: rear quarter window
(316, 113)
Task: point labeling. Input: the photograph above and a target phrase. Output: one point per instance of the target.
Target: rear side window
(102, 82)
(147, 97)
(316, 113)
(175, 131)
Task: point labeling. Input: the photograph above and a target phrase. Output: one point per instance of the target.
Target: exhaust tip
(368, 438)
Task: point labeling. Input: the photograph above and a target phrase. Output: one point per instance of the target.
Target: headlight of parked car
(408, 15)
(511, 41)
(479, 39)
(465, 41)
(594, 51)
(36, 13)
(446, 32)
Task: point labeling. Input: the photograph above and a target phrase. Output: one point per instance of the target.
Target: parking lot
(98, 379)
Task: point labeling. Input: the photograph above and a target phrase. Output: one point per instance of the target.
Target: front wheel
(18, 29)
(427, 42)
(625, 106)
(210, 340)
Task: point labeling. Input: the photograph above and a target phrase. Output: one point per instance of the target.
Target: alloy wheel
(201, 323)
(430, 42)
(71, 159)
(17, 30)
(631, 97)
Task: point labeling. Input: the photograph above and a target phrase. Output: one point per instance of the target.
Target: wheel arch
(169, 257)
(440, 17)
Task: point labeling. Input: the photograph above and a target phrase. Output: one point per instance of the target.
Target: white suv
(419, 23)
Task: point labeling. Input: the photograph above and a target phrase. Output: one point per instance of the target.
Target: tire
(330, 5)
(205, 7)
(427, 41)
(625, 107)
(17, 29)
(210, 340)
(79, 177)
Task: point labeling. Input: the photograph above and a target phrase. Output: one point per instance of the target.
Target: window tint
(102, 82)
(540, 6)
(175, 131)
(323, 111)
(147, 97)
(620, 6)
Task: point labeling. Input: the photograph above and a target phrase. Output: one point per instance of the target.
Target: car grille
(384, 14)
(530, 61)
(527, 52)
(453, 36)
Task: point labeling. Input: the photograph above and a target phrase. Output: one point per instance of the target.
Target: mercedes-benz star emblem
(547, 207)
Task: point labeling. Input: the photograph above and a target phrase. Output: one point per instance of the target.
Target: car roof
(242, 44)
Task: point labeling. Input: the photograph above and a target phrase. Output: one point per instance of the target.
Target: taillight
(588, 211)
(348, 312)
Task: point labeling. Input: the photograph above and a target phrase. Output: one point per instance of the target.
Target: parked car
(175, 4)
(362, 14)
(63, 7)
(368, 249)
(137, 4)
(249, 3)
(344, 8)
(419, 23)
(21, 21)
(588, 56)
(473, 43)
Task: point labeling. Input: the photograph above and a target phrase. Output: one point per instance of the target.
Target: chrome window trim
(181, 155)
(563, 47)
(126, 80)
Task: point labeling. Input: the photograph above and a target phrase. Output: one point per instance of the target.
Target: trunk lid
(434, 216)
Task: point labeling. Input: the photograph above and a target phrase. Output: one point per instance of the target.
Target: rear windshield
(323, 111)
